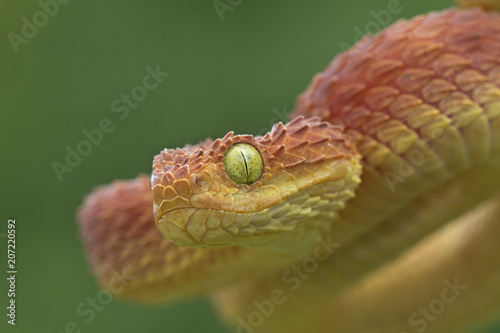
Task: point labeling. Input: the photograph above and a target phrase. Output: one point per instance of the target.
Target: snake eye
(243, 163)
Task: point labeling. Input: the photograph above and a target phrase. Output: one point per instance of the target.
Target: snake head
(255, 191)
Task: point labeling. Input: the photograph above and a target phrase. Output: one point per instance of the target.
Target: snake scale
(373, 210)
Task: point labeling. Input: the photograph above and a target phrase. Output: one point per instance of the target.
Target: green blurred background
(225, 75)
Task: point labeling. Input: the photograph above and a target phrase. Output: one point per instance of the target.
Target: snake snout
(308, 168)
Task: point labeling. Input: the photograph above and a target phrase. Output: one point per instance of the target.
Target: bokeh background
(240, 71)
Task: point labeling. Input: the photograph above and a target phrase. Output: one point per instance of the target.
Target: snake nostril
(203, 181)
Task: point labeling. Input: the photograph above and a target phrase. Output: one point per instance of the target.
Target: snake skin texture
(366, 195)
(197, 204)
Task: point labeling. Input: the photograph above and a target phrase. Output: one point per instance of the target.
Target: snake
(374, 209)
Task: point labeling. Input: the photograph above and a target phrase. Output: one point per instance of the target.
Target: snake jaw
(313, 208)
(197, 204)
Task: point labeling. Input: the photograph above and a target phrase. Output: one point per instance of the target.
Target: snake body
(397, 138)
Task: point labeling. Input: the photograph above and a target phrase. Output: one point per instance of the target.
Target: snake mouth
(284, 221)
(205, 227)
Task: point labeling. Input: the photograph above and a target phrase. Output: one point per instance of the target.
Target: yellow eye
(243, 164)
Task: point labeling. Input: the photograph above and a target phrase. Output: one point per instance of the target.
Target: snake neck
(421, 101)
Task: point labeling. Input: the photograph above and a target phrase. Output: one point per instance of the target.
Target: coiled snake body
(330, 223)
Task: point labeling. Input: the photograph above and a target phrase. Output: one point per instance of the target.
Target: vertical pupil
(243, 163)
(243, 156)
